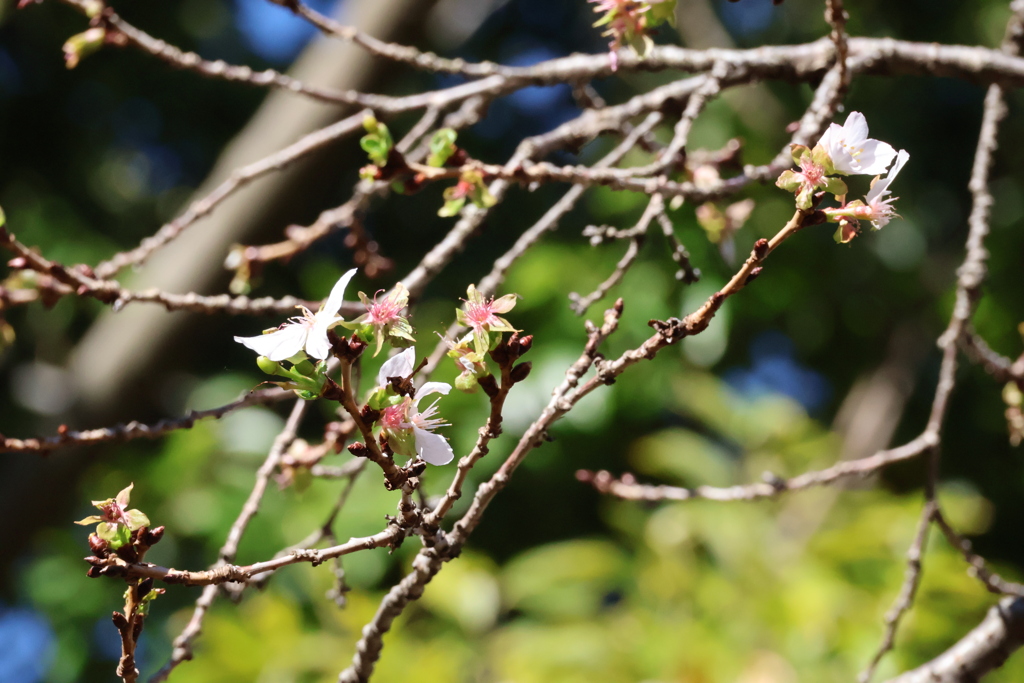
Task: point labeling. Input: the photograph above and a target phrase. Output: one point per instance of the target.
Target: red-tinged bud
(358, 449)
(489, 385)
(369, 415)
(761, 248)
(97, 545)
(520, 372)
(525, 344)
(153, 536)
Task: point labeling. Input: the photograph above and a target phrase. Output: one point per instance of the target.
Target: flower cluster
(629, 23)
(408, 430)
(304, 343)
(846, 150)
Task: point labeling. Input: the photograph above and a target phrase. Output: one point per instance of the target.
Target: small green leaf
(442, 147)
(452, 207)
(661, 12)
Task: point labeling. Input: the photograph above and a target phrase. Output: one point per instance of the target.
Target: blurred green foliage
(558, 584)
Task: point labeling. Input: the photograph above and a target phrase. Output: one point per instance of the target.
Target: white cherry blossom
(852, 151)
(306, 332)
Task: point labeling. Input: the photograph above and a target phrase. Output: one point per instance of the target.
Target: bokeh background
(831, 354)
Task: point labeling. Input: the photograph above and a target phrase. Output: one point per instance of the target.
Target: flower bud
(82, 45)
(268, 366)
(467, 382)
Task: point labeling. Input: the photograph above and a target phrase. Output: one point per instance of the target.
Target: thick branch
(978, 653)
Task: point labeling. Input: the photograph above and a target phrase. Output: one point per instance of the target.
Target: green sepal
(799, 152)
(836, 186)
(402, 442)
(789, 181)
(820, 157)
(805, 198)
(116, 535)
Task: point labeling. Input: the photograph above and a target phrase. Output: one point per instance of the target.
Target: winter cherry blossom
(410, 430)
(852, 151)
(114, 515)
(306, 332)
(480, 314)
(383, 318)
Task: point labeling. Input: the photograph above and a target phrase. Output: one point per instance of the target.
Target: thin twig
(182, 646)
(979, 567)
(238, 179)
(138, 430)
(908, 591)
(627, 488)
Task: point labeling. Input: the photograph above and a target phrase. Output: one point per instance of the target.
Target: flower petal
(280, 345)
(399, 365)
(432, 448)
(433, 388)
(875, 156)
(855, 130)
(91, 519)
(136, 519)
(317, 344)
(832, 137)
(881, 186)
(337, 295)
(504, 304)
(125, 495)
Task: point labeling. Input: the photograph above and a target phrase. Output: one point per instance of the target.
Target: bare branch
(981, 651)
(908, 591)
(138, 430)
